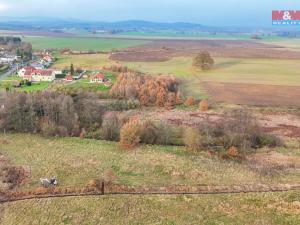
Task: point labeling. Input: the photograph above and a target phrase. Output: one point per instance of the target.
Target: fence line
(125, 190)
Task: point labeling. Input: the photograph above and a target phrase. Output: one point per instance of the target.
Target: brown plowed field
(254, 94)
(162, 50)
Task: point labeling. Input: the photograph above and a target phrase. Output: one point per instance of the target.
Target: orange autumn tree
(189, 101)
(160, 91)
(203, 106)
(130, 134)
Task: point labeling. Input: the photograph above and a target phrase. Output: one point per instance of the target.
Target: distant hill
(42, 23)
(49, 23)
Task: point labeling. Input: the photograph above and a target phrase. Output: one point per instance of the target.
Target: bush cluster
(50, 113)
(238, 130)
(135, 132)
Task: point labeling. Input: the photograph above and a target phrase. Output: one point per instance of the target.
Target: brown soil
(161, 50)
(254, 94)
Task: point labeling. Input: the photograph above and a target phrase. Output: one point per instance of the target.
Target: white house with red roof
(37, 75)
(97, 78)
(22, 71)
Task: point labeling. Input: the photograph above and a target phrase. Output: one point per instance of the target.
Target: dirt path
(174, 190)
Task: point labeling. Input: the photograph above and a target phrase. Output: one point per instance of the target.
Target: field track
(175, 190)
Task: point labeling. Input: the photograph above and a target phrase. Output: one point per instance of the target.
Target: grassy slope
(243, 209)
(75, 162)
(81, 44)
(253, 71)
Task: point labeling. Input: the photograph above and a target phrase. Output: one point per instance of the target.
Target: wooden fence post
(102, 188)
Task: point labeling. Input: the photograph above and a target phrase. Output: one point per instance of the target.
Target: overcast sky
(210, 12)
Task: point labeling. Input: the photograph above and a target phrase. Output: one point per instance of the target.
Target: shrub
(192, 139)
(121, 105)
(270, 141)
(149, 133)
(130, 135)
(165, 134)
(190, 101)
(203, 106)
(109, 176)
(111, 126)
(240, 129)
(48, 128)
(233, 152)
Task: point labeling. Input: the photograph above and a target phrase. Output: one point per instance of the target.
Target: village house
(37, 65)
(68, 78)
(8, 59)
(22, 71)
(98, 78)
(37, 75)
(46, 60)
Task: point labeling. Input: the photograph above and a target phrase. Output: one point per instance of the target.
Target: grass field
(10, 81)
(85, 83)
(81, 44)
(256, 71)
(35, 87)
(75, 161)
(248, 71)
(87, 62)
(238, 209)
(289, 43)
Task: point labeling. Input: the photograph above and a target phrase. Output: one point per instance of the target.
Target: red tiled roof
(29, 68)
(99, 76)
(43, 72)
(69, 78)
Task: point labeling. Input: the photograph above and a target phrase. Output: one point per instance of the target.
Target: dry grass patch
(76, 161)
(268, 208)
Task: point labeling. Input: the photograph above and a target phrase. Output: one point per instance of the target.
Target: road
(12, 70)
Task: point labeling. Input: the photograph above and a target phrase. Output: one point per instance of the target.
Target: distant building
(37, 65)
(69, 78)
(98, 78)
(8, 59)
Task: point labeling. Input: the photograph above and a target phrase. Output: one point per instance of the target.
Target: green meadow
(253, 71)
(81, 44)
(76, 161)
(232, 70)
(87, 62)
